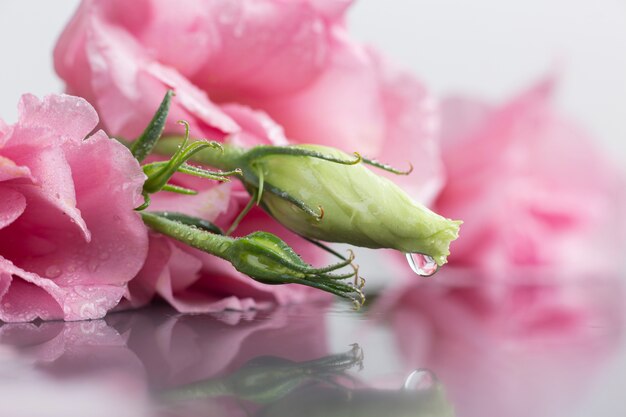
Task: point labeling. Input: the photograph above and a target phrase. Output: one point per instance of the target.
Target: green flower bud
(355, 205)
(262, 256)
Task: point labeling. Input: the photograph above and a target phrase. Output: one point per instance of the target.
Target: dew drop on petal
(422, 265)
(53, 271)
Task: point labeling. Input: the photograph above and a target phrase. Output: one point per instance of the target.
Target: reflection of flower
(182, 349)
(507, 350)
(69, 369)
(68, 243)
(154, 351)
(231, 364)
(531, 187)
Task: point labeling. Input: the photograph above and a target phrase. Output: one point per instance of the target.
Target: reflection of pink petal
(188, 348)
(513, 350)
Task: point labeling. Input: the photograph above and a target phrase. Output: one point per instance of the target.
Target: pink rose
(532, 188)
(293, 60)
(69, 238)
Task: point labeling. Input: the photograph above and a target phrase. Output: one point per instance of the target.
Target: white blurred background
(488, 48)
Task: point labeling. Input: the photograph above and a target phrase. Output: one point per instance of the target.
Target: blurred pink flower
(255, 73)
(532, 188)
(69, 238)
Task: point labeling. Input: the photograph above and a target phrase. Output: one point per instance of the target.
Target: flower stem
(208, 242)
(225, 159)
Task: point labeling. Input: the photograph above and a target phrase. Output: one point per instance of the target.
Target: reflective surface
(420, 350)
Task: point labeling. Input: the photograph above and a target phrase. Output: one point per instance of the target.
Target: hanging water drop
(422, 265)
(420, 379)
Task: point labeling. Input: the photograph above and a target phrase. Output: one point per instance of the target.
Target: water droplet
(420, 379)
(93, 265)
(422, 265)
(53, 271)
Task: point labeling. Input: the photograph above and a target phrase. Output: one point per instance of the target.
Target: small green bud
(354, 205)
(262, 256)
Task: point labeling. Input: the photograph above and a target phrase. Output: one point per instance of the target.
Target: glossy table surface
(423, 351)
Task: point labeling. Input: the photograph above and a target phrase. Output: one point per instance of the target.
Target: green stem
(214, 244)
(204, 389)
(227, 160)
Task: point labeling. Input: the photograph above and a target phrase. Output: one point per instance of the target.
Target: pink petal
(28, 296)
(285, 45)
(107, 206)
(348, 113)
(54, 184)
(13, 205)
(4, 128)
(209, 204)
(57, 118)
(257, 128)
(142, 288)
(10, 170)
(128, 87)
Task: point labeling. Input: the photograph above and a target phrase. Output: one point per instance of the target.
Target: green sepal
(190, 221)
(143, 146)
(178, 189)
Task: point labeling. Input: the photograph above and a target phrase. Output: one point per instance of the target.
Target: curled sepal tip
(159, 173)
(388, 168)
(268, 259)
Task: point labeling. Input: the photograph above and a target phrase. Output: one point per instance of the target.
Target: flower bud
(355, 205)
(262, 256)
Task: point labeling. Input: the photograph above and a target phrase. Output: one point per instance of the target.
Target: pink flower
(532, 188)
(69, 238)
(293, 60)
